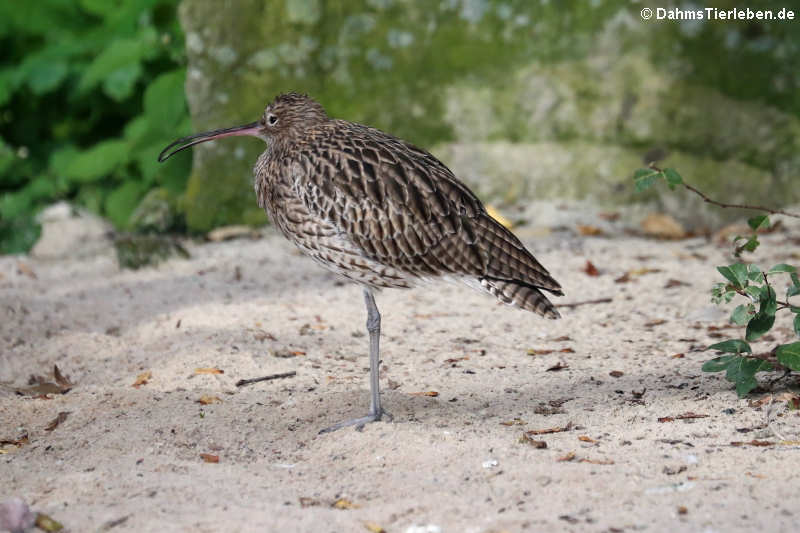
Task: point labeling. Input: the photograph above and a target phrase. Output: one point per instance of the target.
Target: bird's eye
(272, 119)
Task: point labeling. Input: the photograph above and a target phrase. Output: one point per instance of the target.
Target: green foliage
(751, 282)
(105, 83)
(644, 178)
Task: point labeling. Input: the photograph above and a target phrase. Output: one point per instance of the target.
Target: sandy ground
(129, 459)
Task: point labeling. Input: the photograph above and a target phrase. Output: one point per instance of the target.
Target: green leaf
(718, 364)
(731, 346)
(672, 177)
(782, 267)
(769, 301)
(742, 314)
(119, 84)
(165, 101)
(797, 323)
(744, 385)
(754, 273)
(735, 273)
(789, 354)
(46, 76)
(743, 371)
(644, 178)
(750, 246)
(754, 292)
(758, 325)
(120, 53)
(98, 161)
(758, 222)
(739, 370)
(122, 201)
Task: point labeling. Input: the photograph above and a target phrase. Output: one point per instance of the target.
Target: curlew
(380, 212)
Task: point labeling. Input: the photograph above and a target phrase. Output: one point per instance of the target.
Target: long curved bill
(252, 129)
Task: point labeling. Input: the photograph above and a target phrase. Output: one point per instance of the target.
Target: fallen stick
(586, 302)
(243, 382)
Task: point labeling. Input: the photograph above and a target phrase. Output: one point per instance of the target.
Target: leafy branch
(739, 361)
(646, 177)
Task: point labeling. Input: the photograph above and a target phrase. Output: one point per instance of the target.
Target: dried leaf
(616, 373)
(62, 381)
(642, 271)
(41, 390)
(46, 523)
(344, 503)
(515, 422)
(567, 350)
(682, 509)
(557, 367)
(374, 528)
(753, 443)
(677, 356)
(208, 371)
(611, 217)
(431, 393)
(207, 399)
(209, 458)
(142, 379)
(675, 283)
(307, 501)
(456, 359)
(597, 461)
(568, 427)
(534, 351)
(225, 233)
(23, 268)
(562, 338)
(19, 441)
(666, 419)
(492, 212)
(538, 444)
(565, 458)
(663, 226)
(590, 269)
(589, 230)
(656, 322)
(62, 416)
(41, 387)
(690, 414)
(584, 438)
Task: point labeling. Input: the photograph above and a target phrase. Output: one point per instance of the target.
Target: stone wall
(524, 100)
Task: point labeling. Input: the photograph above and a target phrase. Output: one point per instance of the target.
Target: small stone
(15, 515)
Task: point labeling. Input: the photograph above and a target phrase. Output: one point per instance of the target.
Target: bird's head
(288, 115)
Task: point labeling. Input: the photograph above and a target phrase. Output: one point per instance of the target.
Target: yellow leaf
(208, 371)
(495, 214)
(206, 399)
(142, 379)
(344, 503)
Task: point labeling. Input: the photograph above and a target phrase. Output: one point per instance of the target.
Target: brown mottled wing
(404, 208)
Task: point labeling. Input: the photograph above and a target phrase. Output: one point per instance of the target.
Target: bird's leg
(374, 330)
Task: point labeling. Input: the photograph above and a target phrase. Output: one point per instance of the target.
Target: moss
(592, 78)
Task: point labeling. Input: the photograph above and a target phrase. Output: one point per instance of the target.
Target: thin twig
(733, 206)
(243, 382)
(741, 206)
(586, 302)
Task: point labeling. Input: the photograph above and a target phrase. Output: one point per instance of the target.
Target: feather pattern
(385, 213)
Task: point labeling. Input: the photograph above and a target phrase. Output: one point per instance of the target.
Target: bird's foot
(359, 423)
